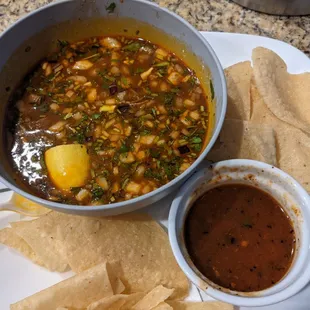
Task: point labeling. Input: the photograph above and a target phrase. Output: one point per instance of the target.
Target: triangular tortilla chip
(43, 236)
(238, 79)
(286, 95)
(156, 296)
(163, 306)
(12, 240)
(208, 305)
(136, 242)
(242, 139)
(76, 292)
(293, 145)
(113, 302)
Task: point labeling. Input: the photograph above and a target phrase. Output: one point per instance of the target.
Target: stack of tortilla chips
(122, 262)
(268, 116)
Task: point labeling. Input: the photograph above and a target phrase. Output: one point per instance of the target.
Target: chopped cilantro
(106, 77)
(162, 64)
(111, 7)
(124, 81)
(162, 71)
(168, 98)
(171, 168)
(212, 90)
(145, 132)
(62, 43)
(155, 153)
(154, 112)
(79, 137)
(150, 174)
(75, 190)
(96, 116)
(196, 140)
(97, 192)
(192, 81)
(139, 70)
(132, 47)
(123, 148)
(175, 90)
(196, 147)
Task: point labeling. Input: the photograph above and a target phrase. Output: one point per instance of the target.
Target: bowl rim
(246, 301)
(216, 130)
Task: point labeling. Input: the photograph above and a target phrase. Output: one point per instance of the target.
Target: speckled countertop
(208, 15)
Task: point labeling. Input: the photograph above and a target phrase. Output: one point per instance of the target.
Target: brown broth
(240, 238)
(155, 130)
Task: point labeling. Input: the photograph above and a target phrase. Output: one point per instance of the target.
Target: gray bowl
(31, 38)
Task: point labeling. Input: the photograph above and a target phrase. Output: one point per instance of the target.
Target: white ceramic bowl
(288, 192)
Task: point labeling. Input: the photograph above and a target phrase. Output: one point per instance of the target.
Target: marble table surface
(208, 15)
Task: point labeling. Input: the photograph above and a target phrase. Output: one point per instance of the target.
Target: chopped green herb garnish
(96, 116)
(97, 192)
(79, 137)
(124, 81)
(247, 225)
(155, 153)
(168, 98)
(132, 47)
(62, 43)
(196, 140)
(145, 132)
(150, 174)
(106, 77)
(212, 90)
(162, 71)
(139, 70)
(171, 168)
(125, 182)
(162, 64)
(175, 90)
(196, 147)
(154, 112)
(111, 7)
(123, 148)
(75, 190)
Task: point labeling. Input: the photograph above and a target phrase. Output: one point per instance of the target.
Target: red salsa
(240, 238)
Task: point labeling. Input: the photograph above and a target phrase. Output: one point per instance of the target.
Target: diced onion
(175, 78)
(111, 43)
(147, 140)
(83, 65)
(83, 194)
(58, 126)
(133, 188)
(127, 158)
(103, 183)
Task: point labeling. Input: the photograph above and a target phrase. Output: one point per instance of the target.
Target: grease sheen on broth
(240, 238)
(139, 110)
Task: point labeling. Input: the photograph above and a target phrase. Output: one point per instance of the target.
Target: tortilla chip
(286, 95)
(238, 79)
(242, 139)
(76, 292)
(153, 298)
(113, 302)
(137, 243)
(208, 305)
(12, 240)
(293, 144)
(163, 306)
(43, 236)
(131, 300)
(117, 285)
